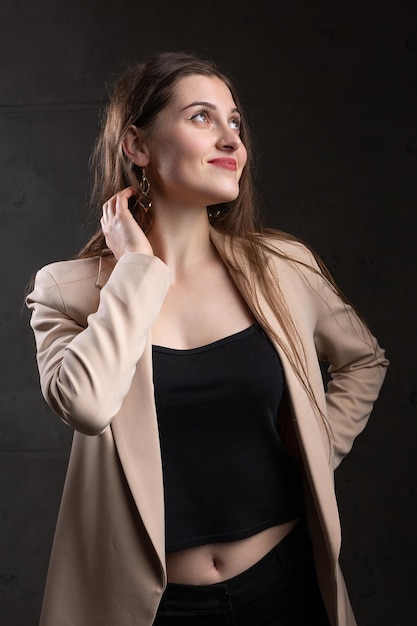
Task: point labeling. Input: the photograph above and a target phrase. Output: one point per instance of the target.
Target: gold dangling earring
(145, 201)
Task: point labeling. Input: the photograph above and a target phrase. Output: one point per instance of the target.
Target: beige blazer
(92, 322)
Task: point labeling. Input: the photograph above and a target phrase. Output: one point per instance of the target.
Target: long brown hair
(141, 93)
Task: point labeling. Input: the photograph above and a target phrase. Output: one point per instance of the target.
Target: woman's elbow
(80, 411)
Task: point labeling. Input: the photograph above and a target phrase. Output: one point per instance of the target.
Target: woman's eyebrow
(208, 105)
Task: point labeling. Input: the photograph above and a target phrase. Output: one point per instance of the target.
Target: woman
(183, 346)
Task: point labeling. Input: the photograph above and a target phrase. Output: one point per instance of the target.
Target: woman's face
(196, 154)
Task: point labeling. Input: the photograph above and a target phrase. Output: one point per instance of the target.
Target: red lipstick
(228, 164)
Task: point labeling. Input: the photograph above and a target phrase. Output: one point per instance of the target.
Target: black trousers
(279, 590)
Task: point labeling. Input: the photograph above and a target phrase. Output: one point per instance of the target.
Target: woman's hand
(122, 232)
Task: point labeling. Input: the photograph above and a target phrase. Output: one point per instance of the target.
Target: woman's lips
(228, 164)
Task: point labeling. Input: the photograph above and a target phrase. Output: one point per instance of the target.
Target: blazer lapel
(311, 432)
(135, 433)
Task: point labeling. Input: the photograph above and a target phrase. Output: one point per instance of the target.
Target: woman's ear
(134, 146)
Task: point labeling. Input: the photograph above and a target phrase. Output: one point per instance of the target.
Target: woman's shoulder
(287, 247)
(280, 247)
(90, 269)
(71, 286)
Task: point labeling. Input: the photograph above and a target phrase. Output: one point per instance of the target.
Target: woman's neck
(181, 239)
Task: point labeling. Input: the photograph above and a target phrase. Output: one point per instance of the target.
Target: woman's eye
(201, 116)
(204, 116)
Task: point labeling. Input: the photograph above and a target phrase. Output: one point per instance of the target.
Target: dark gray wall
(331, 88)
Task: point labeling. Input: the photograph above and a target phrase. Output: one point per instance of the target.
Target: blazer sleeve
(86, 371)
(357, 365)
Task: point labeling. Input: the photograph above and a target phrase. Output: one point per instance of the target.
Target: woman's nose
(228, 138)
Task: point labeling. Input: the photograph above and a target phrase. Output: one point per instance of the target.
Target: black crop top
(226, 473)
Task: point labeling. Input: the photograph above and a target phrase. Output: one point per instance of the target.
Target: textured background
(331, 90)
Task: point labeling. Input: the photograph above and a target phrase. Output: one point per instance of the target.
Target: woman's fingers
(118, 202)
(120, 229)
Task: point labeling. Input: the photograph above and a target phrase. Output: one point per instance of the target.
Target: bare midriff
(215, 562)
